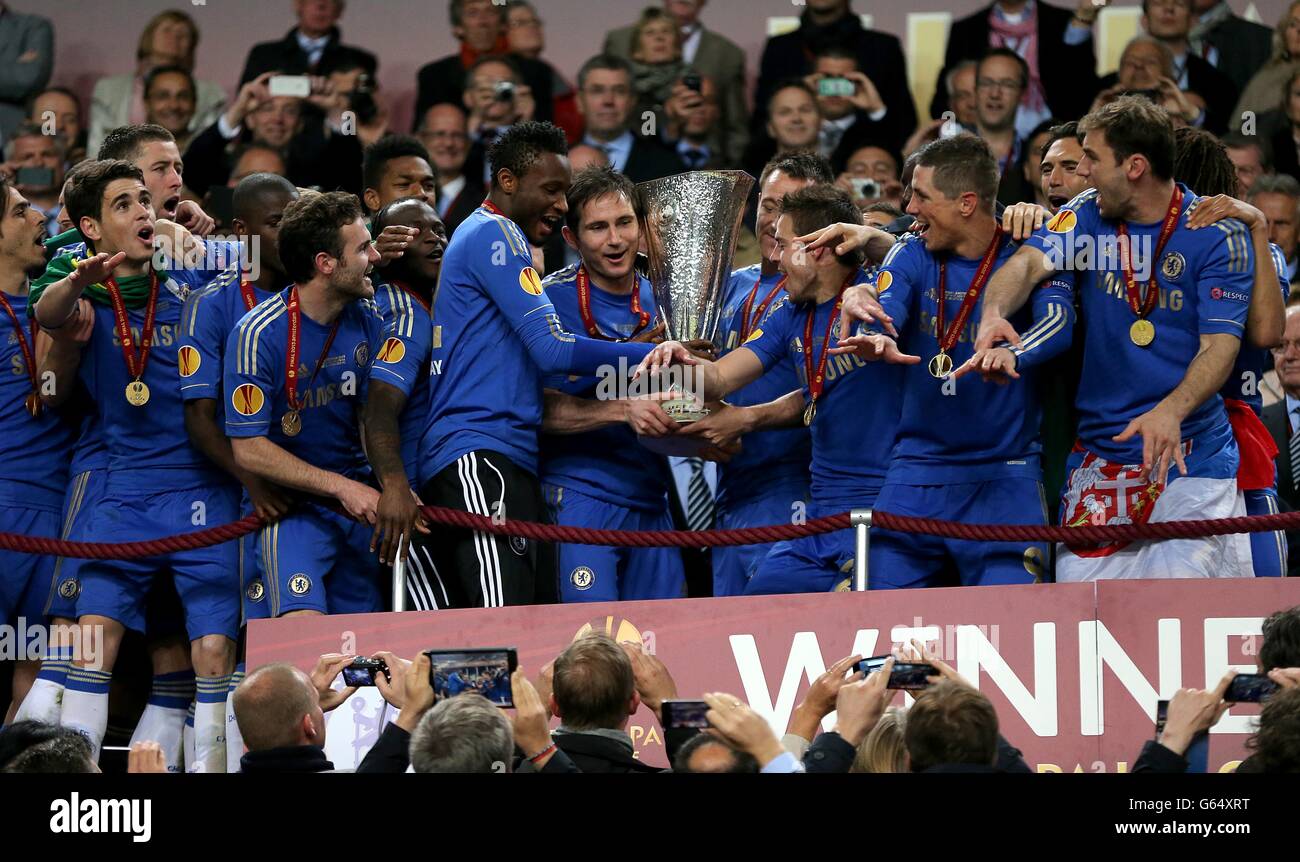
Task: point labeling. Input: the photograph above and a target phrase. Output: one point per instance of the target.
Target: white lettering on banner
(974, 651)
(1099, 649)
(1218, 630)
(804, 662)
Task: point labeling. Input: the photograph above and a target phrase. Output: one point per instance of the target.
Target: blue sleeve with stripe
(1053, 329)
(516, 289)
(402, 358)
(900, 277)
(249, 379)
(1225, 280)
(769, 341)
(202, 343)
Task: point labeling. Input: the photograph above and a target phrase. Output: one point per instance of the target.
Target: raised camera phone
(36, 178)
(503, 91)
(362, 672)
(691, 81)
(835, 87)
(864, 187)
(485, 671)
(685, 713)
(907, 676)
(1250, 688)
(298, 86)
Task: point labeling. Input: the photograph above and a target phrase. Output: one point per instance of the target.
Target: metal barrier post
(861, 521)
(399, 578)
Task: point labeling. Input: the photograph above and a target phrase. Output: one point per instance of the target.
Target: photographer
(281, 715)
(496, 98)
(852, 109)
(316, 153)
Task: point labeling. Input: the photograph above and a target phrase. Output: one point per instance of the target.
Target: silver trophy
(692, 222)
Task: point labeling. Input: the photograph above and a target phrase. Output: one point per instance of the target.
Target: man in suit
(832, 22)
(1170, 21)
(313, 47)
(480, 27)
(606, 101)
(693, 119)
(1056, 44)
(1282, 419)
(1235, 46)
(713, 56)
(1277, 196)
(443, 132)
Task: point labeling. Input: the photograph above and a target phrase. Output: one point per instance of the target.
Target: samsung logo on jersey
(133, 816)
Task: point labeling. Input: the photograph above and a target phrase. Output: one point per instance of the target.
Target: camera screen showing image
(908, 676)
(1250, 688)
(362, 672)
(685, 713)
(835, 87)
(486, 671)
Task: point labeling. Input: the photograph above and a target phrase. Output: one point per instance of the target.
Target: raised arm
(1006, 292)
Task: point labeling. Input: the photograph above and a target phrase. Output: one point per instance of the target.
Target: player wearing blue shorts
(35, 443)
(397, 401)
(967, 449)
(851, 406)
(594, 472)
(495, 336)
(767, 481)
(157, 483)
(296, 368)
(1164, 313)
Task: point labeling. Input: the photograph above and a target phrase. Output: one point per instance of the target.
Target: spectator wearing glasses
(713, 56)
(1055, 43)
(1147, 68)
(443, 132)
(170, 38)
(1001, 78)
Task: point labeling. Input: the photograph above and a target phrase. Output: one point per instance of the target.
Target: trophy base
(684, 412)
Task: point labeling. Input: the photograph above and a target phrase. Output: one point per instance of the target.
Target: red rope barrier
(687, 538)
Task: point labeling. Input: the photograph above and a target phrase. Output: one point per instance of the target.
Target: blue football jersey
(34, 450)
(1253, 362)
(607, 464)
(1204, 278)
(496, 334)
(209, 317)
(966, 430)
(766, 457)
(862, 397)
(254, 382)
(403, 361)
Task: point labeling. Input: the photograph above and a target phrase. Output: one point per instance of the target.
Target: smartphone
(503, 91)
(908, 676)
(486, 671)
(685, 713)
(289, 85)
(835, 87)
(1162, 715)
(691, 81)
(864, 187)
(1250, 688)
(362, 672)
(37, 178)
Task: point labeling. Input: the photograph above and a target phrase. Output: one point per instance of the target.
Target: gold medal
(1142, 332)
(809, 413)
(291, 423)
(940, 366)
(34, 405)
(137, 393)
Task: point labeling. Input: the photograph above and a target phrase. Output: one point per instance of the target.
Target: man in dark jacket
(1235, 46)
(282, 720)
(1055, 42)
(311, 48)
(832, 22)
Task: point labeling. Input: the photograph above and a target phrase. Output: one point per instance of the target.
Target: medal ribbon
(411, 292)
(491, 207)
(816, 380)
(246, 291)
(291, 353)
(28, 355)
(584, 308)
(135, 365)
(1139, 304)
(948, 337)
(747, 323)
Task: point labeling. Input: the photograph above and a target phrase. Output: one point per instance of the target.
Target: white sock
(44, 700)
(210, 722)
(187, 741)
(234, 739)
(165, 726)
(85, 705)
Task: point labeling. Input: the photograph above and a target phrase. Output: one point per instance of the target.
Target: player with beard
(157, 482)
(35, 443)
(850, 405)
(1165, 315)
(594, 472)
(397, 404)
(495, 338)
(295, 377)
(966, 450)
(209, 317)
